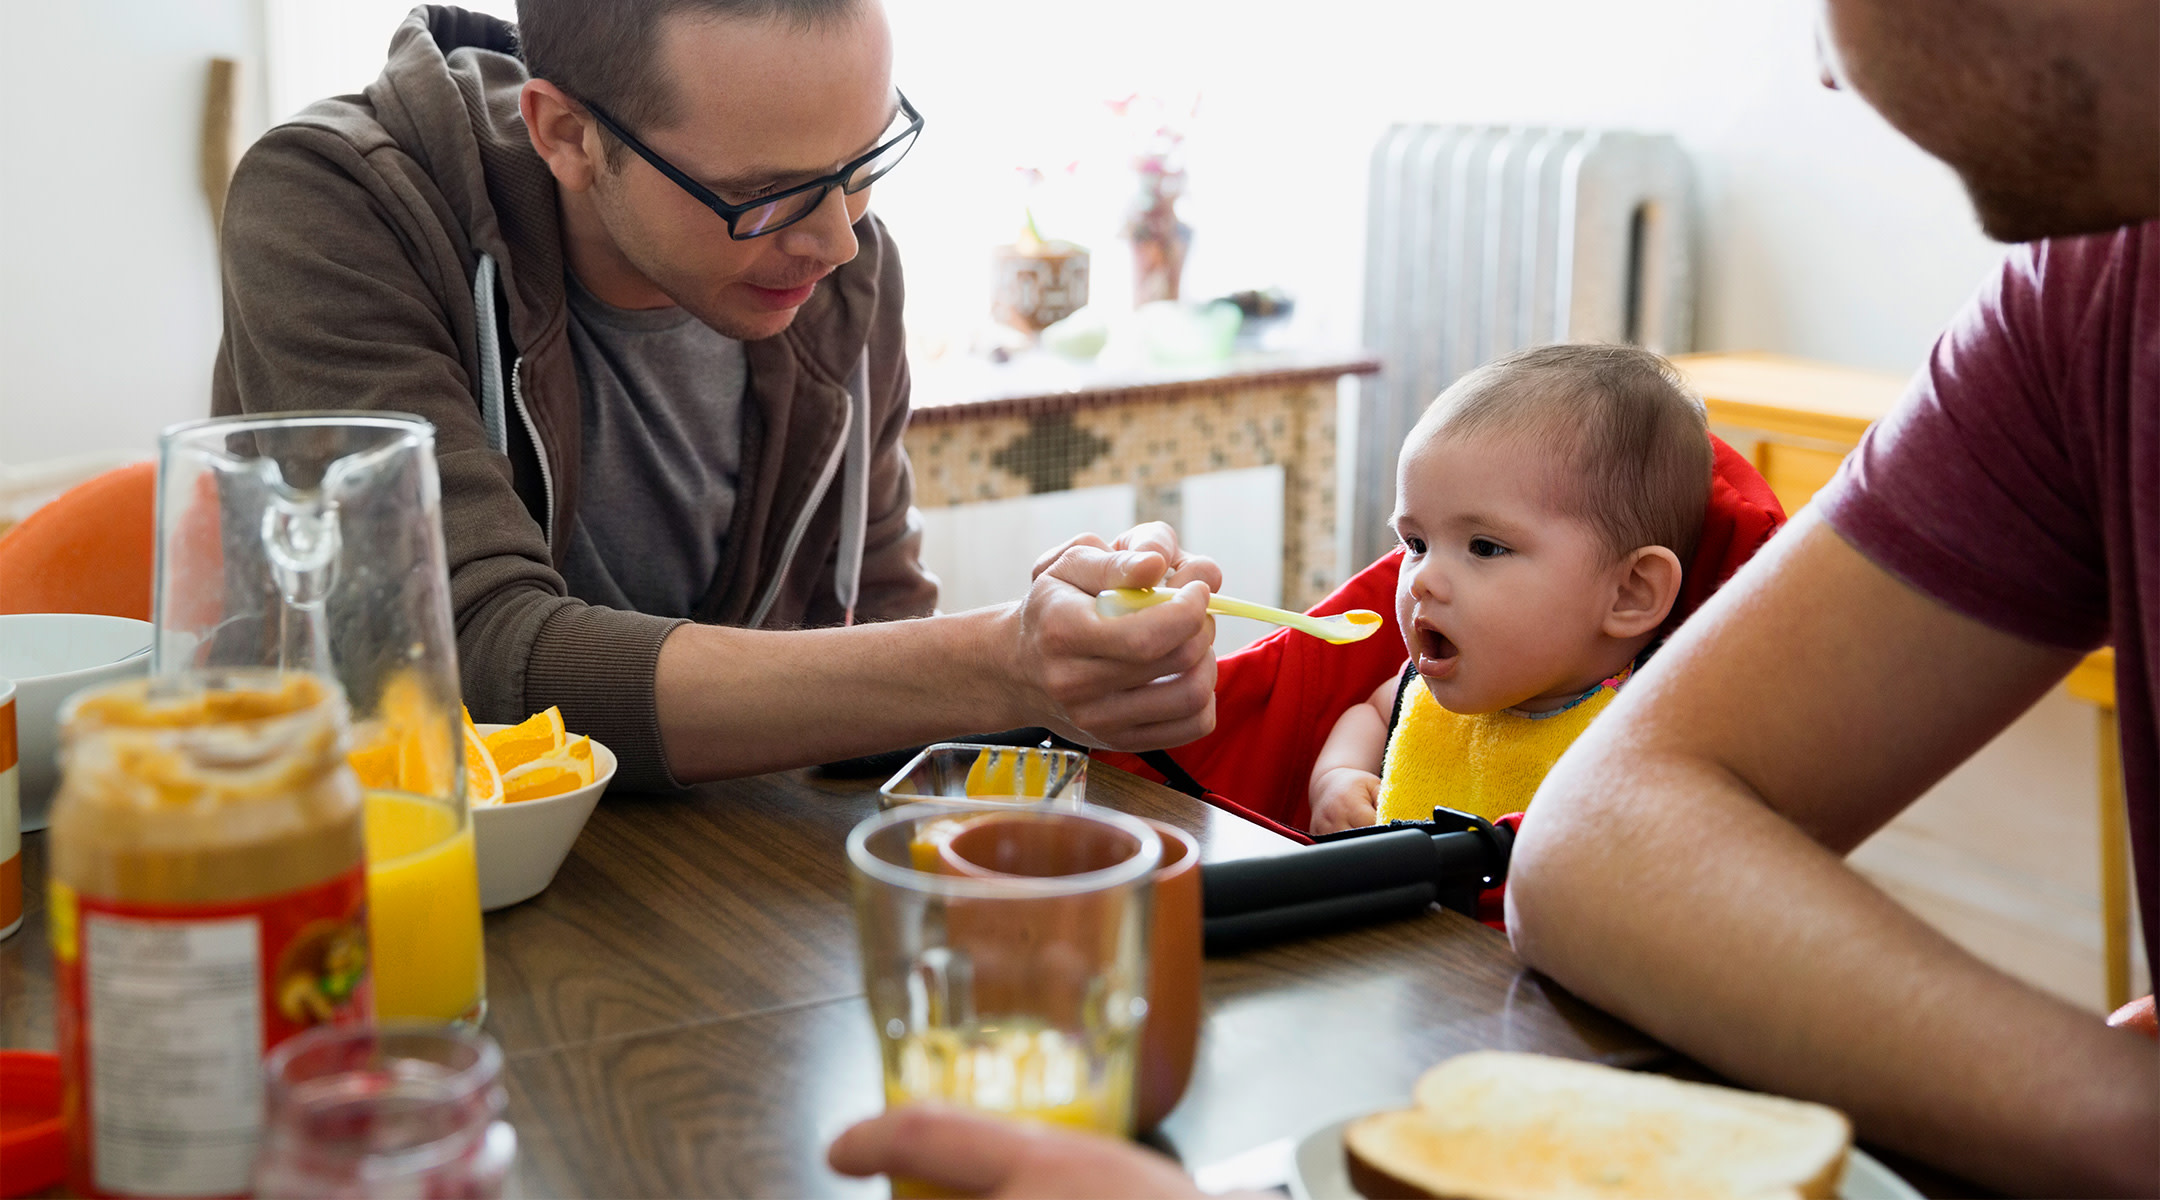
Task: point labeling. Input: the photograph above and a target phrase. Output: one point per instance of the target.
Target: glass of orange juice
(1005, 956)
(313, 542)
(424, 909)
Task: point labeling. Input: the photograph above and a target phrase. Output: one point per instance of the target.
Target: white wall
(320, 48)
(108, 269)
(109, 310)
(1825, 233)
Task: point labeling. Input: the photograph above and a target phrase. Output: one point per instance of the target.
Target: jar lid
(33, 1146)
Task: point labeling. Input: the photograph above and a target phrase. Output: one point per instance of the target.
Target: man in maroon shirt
(1683, 864)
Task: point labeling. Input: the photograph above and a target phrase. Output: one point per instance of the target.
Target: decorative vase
(1159, 239)
(1037, 283)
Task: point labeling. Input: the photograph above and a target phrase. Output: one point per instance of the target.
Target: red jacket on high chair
(1277, 700)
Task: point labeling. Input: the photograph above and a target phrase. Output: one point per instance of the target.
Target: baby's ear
(1648, 582)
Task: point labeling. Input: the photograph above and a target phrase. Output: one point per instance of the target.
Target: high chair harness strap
(1173, 774)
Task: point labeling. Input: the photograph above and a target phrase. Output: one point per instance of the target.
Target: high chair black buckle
(1353, 877)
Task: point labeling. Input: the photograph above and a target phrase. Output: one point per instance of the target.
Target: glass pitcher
(313, 542)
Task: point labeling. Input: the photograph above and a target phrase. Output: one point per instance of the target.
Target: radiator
(1483, 240)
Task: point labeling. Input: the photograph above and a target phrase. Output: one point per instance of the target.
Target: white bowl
(522, 845)
(52, 656)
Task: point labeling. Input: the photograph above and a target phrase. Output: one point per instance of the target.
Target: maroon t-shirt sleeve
(1979, 488)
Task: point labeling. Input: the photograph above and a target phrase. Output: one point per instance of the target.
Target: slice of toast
(1499, 1126)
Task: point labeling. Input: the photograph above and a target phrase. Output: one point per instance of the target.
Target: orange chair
(89, 551)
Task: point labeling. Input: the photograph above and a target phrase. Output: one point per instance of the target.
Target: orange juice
(423, 909)
(1017, 1068)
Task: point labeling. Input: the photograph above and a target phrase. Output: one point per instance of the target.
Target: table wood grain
(681, 1011)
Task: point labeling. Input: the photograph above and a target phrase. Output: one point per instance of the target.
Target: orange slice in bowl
(579, 750)
(483, 782)
(554, 775)
(406, 746)
(527, 741)
(424, 760)
(376, 765)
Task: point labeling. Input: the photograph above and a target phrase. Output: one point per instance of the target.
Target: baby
(1545, 504)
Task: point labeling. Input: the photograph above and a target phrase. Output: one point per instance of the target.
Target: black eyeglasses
(770, 214)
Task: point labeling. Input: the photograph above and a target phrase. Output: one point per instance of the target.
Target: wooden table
(682, 1010)
(682, 1014)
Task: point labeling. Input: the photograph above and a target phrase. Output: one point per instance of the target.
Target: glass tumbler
(398, 1110)
(1005, 956)
(313, 542)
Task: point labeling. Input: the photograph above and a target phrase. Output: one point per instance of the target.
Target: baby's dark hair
(1632, 435)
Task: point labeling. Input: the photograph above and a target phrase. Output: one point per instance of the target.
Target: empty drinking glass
(381, 1112)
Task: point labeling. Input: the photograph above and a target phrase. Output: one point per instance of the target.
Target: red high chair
(1277, 699)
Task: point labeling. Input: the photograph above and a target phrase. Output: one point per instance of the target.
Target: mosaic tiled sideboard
(1151, 434)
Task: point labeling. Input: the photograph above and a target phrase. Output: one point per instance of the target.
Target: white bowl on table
(52, 656)
(522, 845)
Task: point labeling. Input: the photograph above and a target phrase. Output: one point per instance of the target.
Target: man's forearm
(739, 702)
(1658, 888)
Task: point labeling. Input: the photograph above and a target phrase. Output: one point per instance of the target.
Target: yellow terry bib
(1488, 765)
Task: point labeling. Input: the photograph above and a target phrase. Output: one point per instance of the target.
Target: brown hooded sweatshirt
(400, 250)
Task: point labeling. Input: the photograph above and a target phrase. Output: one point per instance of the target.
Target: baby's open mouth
(1437, 653)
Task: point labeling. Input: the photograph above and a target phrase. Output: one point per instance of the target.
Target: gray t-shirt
(662, 397)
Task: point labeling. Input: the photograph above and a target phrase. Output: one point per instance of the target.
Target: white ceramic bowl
(52, 656)
(521, 845)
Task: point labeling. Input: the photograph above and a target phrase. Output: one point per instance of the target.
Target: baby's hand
(1345, 799)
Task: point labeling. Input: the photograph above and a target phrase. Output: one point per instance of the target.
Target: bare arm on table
(740, 701)
(1682, 867)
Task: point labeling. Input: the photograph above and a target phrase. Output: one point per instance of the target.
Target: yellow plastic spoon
(1340, 629)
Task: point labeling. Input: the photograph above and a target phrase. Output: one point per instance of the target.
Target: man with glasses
(621, 256)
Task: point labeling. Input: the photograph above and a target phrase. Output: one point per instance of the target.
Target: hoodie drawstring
(854, 493)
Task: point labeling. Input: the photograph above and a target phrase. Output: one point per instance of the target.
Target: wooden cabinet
(1795, 473)
(1797, 419)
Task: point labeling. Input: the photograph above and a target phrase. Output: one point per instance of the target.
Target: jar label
(166, 1011)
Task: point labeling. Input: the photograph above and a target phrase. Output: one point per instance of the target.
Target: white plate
(1320, 1172)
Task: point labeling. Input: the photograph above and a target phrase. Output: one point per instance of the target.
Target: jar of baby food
(208, 901)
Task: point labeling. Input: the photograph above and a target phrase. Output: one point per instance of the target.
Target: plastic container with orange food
(208, 901)
(11, 885)
(33, 1148)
